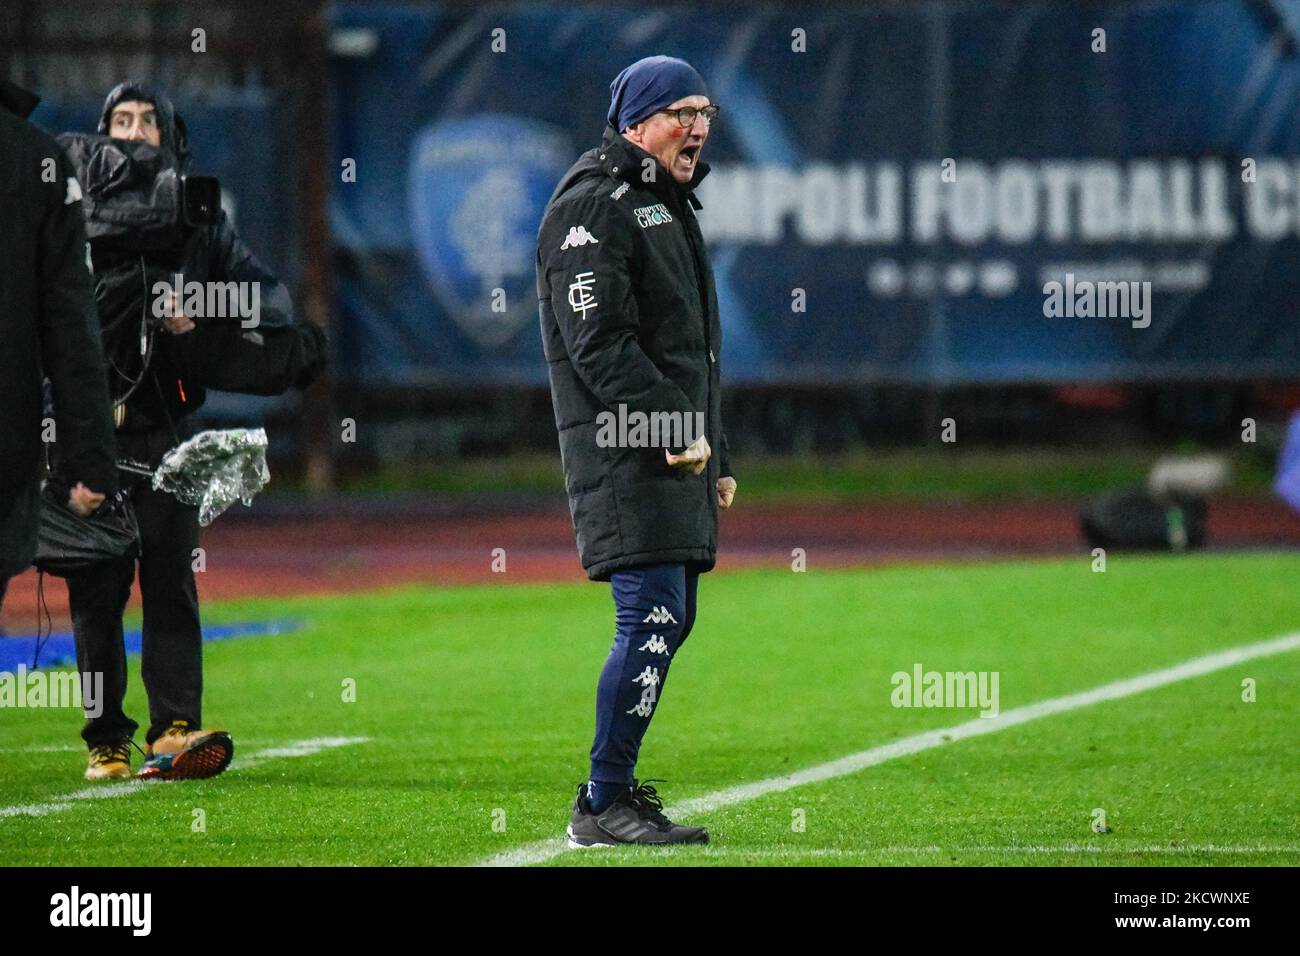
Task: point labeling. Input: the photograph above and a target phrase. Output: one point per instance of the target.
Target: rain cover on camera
(214, 468)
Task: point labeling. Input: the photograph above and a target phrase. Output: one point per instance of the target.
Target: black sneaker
(635, 817)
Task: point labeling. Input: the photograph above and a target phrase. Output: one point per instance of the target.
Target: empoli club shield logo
(477, 190)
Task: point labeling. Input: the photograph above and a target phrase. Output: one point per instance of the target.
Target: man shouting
(630, 328)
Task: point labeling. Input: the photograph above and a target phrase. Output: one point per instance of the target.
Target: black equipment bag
(1136, 520)
(67, 543)
(260, 361)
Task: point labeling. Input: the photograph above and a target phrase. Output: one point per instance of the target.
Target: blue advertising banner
(926, 193)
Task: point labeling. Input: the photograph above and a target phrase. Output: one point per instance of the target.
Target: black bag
(1136, 520)
(67, 543)
(260, 361)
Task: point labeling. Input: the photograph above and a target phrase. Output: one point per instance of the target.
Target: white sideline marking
(74, 748)
(298, 748)
(1010, 848)
(34, 809)
(543, 850)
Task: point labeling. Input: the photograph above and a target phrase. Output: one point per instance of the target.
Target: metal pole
(312, 149)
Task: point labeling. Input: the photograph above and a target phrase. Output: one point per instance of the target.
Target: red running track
(337, 550)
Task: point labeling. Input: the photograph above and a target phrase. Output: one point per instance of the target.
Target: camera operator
(47, 326)
(149, 422)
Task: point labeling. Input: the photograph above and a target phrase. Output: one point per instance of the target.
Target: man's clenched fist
(726, 491)
(695, 458)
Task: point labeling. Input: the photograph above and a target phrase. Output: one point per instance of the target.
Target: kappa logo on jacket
(578, 236)
(655, 215)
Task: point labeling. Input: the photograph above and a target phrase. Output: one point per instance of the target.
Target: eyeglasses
(686, 114)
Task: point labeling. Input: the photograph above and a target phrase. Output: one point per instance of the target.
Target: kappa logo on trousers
(656, 645)
(648, 679)
(659, 615)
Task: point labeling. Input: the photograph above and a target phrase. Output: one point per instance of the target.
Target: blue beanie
(649, 85)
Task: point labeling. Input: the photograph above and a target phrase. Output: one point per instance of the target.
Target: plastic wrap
(214, 468)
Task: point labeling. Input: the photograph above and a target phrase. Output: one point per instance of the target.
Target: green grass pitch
(478, 708)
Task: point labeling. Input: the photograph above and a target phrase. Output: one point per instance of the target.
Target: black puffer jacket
(47, 325)
(629, 316)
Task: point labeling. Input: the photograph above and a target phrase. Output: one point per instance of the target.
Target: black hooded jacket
(218, 352)
(172, 131)
(48, 327)
(629, 317)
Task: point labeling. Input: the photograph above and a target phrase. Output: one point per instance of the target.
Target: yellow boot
(110, 761)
